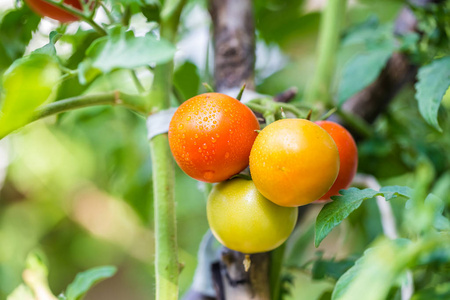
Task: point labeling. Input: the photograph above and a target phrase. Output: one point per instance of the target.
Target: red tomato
(348, 156)
(211, 135)
(45, 9)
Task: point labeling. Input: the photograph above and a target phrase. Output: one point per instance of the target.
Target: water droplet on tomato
(208, 175)
(204, 146)
(213, 139)
(196, 136)
(180, 126)
(188, 118)
(227, 155)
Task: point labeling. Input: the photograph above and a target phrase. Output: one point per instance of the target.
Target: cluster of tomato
(293, 162)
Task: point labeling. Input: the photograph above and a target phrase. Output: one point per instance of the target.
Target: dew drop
(204, 146)
(188, 118)
(213, 139)
(183, 135)
(196, 136)
(180, 126)
(208, 175)
(199, 150)
(205, 119)
(227, 155)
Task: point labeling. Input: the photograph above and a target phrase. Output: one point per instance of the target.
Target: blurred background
(79, 186)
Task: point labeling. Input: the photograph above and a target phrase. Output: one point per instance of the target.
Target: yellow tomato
(243, 220)
(294, 162)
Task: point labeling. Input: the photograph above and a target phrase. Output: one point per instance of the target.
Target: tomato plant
(211, 136)
(244, 220)
(348, 157)
(46, 9)
(294, 162)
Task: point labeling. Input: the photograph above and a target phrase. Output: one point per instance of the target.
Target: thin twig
(109, 98)
(79, 14)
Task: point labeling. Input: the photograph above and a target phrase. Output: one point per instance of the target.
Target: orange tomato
(294, 162)
(45, 9)
(348, 156)
(211, 135)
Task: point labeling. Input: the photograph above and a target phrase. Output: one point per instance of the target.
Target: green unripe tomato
(244, 220)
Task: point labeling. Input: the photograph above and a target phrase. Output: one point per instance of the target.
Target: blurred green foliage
(79, 186)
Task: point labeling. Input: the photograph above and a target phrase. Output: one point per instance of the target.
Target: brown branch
(234, 43)
(399, 71)
(239, 284)
(373, 100)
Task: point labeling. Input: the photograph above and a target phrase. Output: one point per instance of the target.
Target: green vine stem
(81, 15)
(166, 252)
(272, 110)
(319, 89)
(133, 102)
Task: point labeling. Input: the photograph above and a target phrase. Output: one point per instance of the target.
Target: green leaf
(330, 268)
(186, 80)
(85, 280)
(151, 11)
(375, 272)
(437, 292)
(361, 71)
(333, 213)
(28, 83)
(49, 48)
(22, 292)
(122, 49)
(384, 265)
(394, 191)
(370, 33)
(16, 30)
(433, 82)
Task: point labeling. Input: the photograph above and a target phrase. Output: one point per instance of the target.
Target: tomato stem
(208, 88)
(86, 18)
(166, 249)
(241, 91)
(247, 262)
(133, 102)
(330, 27)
